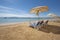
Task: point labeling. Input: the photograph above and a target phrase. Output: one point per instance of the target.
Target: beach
(22, 31)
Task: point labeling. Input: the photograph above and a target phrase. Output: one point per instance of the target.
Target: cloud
(7, 15)
(15, 15)
(12, 12)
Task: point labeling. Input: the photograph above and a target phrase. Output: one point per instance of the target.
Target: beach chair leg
(35, 27)
(38, 28)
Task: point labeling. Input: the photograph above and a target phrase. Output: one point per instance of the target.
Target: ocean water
(12, 20)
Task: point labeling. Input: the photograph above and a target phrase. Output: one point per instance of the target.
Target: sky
(21, 8)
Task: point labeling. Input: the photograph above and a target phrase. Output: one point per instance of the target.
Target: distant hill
(29, 17)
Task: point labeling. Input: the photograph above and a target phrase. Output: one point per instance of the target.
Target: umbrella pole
(38, 17)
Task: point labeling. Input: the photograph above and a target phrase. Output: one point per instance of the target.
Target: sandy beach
(22, 31)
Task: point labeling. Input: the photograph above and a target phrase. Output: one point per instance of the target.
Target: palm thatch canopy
(39, 9)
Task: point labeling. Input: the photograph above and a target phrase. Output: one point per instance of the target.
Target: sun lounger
(45, 23)
(39, 25)
(36, 24)
(33, 25)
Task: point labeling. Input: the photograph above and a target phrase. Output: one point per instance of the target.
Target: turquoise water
(12, 20)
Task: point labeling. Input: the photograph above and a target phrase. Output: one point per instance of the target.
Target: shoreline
(8, 23)
(11, 23)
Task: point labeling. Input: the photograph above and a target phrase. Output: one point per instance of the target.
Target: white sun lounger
(34, 25)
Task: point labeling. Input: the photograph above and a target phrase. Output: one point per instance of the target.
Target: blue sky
(21, 8)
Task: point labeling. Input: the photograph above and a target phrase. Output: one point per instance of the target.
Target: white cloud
(11, 12)
(7, 15)
(15, 15)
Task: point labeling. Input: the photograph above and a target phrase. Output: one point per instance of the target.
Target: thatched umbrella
(54, 17)
(39, 9)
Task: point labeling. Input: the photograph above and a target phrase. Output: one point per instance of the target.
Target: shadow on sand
(51, 28)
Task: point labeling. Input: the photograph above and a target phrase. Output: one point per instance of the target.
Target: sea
(19, 19)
